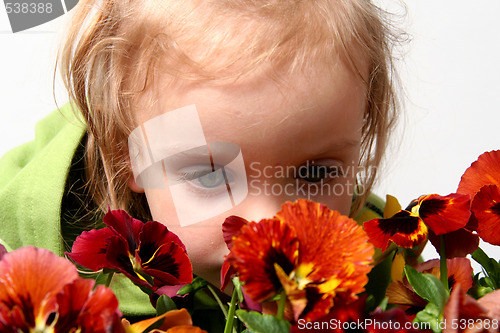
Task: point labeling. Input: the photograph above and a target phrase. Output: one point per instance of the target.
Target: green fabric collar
(32, 182)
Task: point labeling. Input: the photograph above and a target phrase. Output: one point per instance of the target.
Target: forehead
(311, 110)
(262, 95)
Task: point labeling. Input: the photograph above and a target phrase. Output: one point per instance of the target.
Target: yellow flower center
(137, 267)
(415, 210)
(301, 273)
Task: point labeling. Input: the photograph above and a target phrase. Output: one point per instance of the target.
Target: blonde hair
(114, 49)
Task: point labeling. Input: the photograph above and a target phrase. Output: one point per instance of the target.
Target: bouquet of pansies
(308, 268)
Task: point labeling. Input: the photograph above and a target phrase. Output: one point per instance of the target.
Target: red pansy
(410, 227)
(138, 250)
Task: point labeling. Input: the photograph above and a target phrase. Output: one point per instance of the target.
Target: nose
(256, 208)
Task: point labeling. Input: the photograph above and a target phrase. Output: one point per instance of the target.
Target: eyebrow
(338, 145)
(213, 153)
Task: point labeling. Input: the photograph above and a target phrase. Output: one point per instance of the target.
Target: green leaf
(262, 323)
(197, 284)
(275, 298)
(164, 304)
(491, 266)
(383, 304)
(109, 271)
(101, 277)
(428, 287)
(379, 279)
(430, 316)
(144, 289)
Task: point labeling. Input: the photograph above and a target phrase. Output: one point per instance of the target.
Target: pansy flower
(410, 227)
(41, 292)
(311, 252)
(342, 312)
(469, 314)
(482, 182)
(458, 243)
(230, 228)
(401, 293)
(174, 321)
(147, 253)
(353, 317)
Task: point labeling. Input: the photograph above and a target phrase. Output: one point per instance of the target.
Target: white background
(450, 72)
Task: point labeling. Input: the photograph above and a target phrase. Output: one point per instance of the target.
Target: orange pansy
(310, 251)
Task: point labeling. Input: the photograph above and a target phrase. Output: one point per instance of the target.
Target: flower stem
(281, 305)
(230, 314)
(443, 267)
(222, 307)
(110, 277)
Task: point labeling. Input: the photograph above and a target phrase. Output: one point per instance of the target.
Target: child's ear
(133, 185)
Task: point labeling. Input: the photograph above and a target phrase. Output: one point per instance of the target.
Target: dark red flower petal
(100, 313)
(443, 214)
(249, 304)
(154, 235)
(231, 227)
(459, 271)
(472, 224)
(70, 301)
(486, 209)
(90, 311)
(342, 312)
(484, 171)
(118, 258)
(257, 249)
(125, 226)
(89, 249)
(226, 273)
(169, 265)
(3, 251)
(403, 229)
(12, 320)
(163, 256)
(318, 304)
(458, 243)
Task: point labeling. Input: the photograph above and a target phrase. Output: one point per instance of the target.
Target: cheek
(337, 196)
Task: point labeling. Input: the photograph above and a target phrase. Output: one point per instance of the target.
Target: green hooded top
(33, 182)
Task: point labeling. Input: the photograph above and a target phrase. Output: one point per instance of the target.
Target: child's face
(298, 138)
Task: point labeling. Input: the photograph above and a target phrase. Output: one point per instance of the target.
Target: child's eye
(205, 178)
(210, 180)
(318, 173)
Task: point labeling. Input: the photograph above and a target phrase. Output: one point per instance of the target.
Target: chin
(211, 273)
(207, 265)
